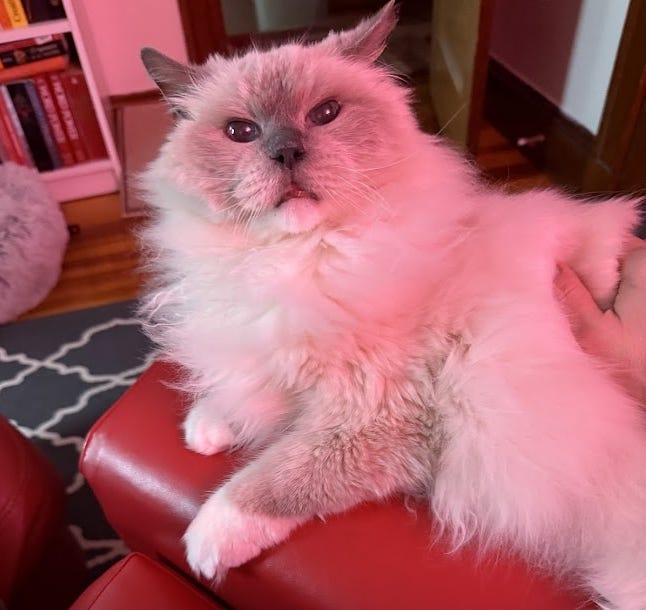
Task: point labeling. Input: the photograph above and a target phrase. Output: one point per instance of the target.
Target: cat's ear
(173, 78)
(367, 40)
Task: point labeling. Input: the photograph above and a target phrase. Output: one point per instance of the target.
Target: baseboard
(557, 144)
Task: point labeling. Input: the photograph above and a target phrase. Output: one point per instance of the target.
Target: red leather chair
(137, 582)
(376, 556)
(41, 566)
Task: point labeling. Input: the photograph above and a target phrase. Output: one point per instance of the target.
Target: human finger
(576, 300)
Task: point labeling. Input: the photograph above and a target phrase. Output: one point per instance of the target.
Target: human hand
(616, 336)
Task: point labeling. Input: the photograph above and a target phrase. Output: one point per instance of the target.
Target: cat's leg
(309, 472)
(232, 416)
(205, 430)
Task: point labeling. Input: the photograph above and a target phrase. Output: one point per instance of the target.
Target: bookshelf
(34, 30)
(96, 177)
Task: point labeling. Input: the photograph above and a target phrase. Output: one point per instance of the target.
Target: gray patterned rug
(57, 376)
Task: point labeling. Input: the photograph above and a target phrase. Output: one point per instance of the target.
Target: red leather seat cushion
(376, 556)
(139, 583)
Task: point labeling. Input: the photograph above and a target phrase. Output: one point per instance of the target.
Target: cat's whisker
(228, 208)
(455, 115)
(336, 198)
(365, 191)
(380, 167)
(372, 187)
(340, 199)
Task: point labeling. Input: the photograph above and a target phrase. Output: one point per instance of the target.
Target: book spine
(43, 123)
(23, 43)
(67, 118)
(18, 56)
(54, 120)
(5, 22)
(10, 153)
(21, 146)
(33, 68)
(30, 125)
(16, 13)
(78, 96)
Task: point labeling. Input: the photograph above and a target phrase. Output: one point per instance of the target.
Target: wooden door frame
(204, 29)
(624, 101)
(476, 108)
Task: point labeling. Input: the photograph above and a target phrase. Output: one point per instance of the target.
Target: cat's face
(284, 140)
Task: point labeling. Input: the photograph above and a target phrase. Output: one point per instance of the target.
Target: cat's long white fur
(417, 285)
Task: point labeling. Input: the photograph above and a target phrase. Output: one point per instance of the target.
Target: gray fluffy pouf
(33, 238)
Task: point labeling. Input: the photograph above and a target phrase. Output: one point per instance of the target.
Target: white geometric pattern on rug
(102, 550)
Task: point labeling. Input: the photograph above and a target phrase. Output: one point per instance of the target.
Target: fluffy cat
(346, 295)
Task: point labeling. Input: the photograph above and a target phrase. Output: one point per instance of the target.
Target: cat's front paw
(222, 536)
(206, 433)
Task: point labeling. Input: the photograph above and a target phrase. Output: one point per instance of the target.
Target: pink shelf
(82, 180)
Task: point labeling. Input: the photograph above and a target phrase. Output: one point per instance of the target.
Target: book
(53, 118)
(67, 118)
(43, 10)
(43, 123)
(16, 13)
(35, 67)
(22, 98)
(9, 152)
(30, 42)
(19, 53)
(80, 102)
(5, 23)
(10, 118)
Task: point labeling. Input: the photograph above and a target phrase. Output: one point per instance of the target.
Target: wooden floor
(101, 264)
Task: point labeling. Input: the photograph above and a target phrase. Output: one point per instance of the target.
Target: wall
(115, 31)
(565, 49)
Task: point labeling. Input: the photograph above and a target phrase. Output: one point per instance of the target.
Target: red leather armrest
(376, 556)
(41, 565)
(32, 505)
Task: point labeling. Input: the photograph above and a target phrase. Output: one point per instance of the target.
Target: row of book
(30, 56)
(20, 13)
(48, 121)
(47, 118)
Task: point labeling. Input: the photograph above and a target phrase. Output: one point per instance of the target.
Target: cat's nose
(285, 146)
(289, 156)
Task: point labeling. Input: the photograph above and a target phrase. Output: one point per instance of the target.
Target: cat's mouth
(295, 191)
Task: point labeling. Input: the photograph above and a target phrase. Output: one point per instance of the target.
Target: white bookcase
(94, 177)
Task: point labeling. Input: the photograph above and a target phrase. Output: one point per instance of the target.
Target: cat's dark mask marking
(285, 146)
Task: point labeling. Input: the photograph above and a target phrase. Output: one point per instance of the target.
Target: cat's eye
(240, 130)
(324, 113)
